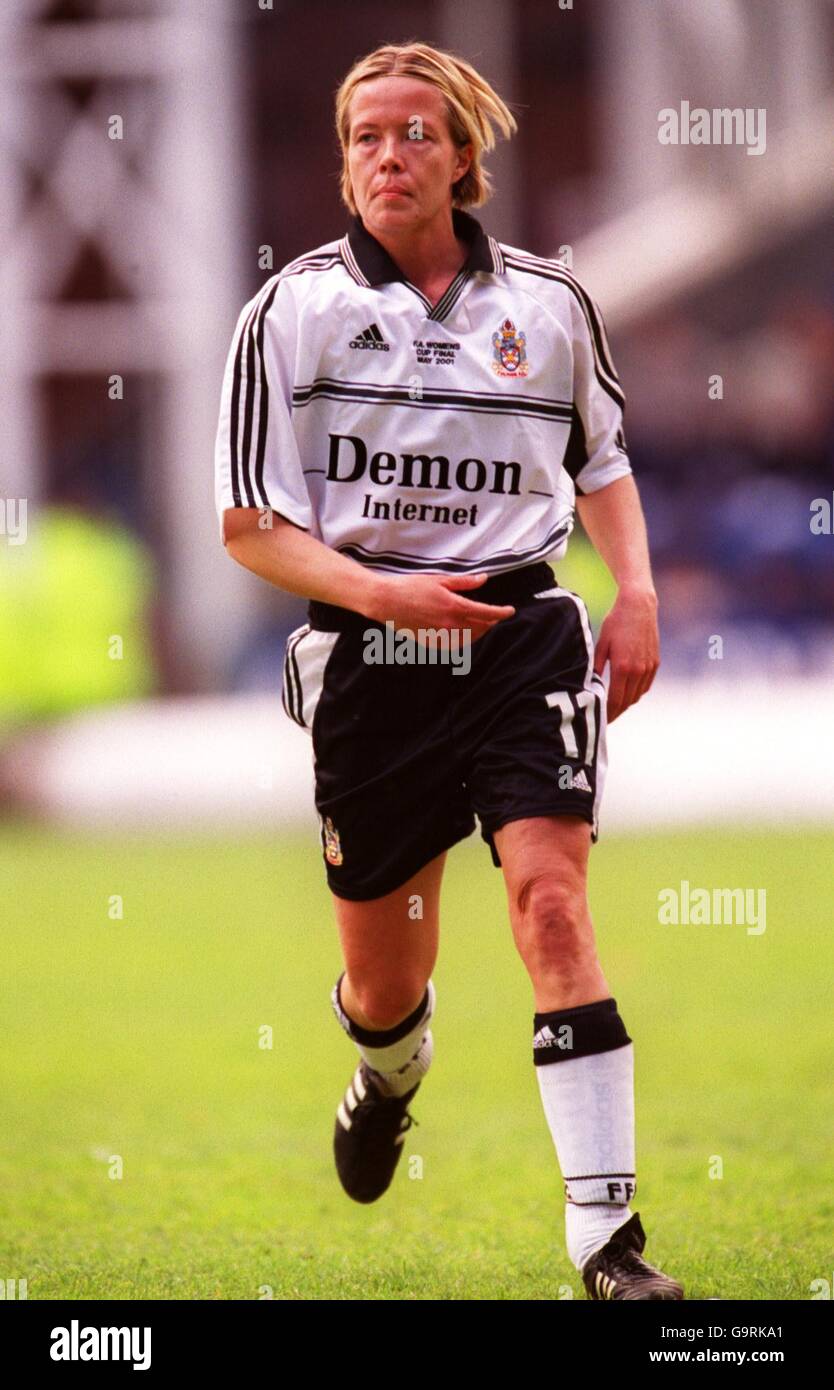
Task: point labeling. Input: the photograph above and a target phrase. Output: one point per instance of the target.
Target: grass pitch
(132, 1045)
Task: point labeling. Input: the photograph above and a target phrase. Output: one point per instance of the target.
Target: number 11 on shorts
(585, 700)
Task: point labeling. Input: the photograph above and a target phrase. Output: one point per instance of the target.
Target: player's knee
(384, 1004)
(553, 912)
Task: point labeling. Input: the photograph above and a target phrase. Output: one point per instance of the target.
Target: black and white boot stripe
(368, 1137)
(356, 1092)
(604, 1285)
(617, 1271)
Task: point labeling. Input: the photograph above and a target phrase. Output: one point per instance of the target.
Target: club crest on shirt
(509, 351)
(332, 848)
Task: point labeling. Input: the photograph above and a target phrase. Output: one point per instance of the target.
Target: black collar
(378, 267)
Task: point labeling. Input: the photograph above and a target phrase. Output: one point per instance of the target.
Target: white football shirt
(413, 438)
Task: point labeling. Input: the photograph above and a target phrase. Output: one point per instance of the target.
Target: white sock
(585, 1070)
(399, 1056)
(589, 1228)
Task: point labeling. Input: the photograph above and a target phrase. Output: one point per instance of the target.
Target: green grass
(139, 1038)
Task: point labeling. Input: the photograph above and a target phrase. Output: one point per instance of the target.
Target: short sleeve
(596, 452)
(256, 458)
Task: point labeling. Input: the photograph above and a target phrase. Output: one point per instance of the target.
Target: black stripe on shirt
(480, 401)
(548, 271)
(250, 343)
(503, 559)
(576, 449)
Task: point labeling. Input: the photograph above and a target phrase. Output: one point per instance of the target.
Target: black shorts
(406, 756)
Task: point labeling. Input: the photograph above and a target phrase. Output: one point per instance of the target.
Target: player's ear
(464, 161)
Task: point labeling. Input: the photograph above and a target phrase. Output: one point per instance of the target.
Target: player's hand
(435, 601)
(629, 639)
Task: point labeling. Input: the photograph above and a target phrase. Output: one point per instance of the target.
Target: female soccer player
(410, 415)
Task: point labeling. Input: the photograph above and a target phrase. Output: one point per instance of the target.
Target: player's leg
(391, 802)
(582, 1053)
(583, 1056)
(545, 864)
(385, 1000)
(385, 996)
(389, 946)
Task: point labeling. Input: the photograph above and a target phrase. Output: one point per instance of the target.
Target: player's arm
(609, 508)
(287, 556)
(614, 521)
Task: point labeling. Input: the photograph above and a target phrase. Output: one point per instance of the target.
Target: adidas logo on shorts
(370, 338)
(580, 782)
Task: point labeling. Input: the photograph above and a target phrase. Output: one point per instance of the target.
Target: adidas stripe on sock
(584, 1063)
(399, 1056)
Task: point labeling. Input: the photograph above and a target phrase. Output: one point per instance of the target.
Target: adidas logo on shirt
(370, 338)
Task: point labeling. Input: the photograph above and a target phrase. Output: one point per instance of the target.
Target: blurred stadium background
(140, 667)
(129, 258)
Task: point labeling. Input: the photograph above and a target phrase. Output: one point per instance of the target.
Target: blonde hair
(472, 109)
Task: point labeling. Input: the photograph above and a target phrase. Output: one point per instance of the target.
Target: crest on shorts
(332, 848)
(509, 351)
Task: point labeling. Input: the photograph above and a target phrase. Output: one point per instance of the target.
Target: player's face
(401, 157)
